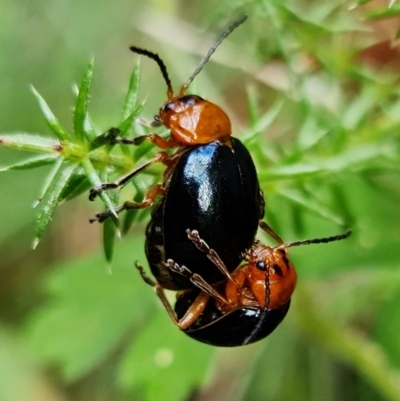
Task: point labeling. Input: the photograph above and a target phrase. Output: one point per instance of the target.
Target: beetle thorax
(194, 121)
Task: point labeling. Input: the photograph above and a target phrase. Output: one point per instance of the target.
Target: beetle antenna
(212, 50)
(318, 240)
(160, 63)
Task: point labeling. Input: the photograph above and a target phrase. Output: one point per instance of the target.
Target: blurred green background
(314, 88)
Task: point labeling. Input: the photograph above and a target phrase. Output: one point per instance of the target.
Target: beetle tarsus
(144, 276)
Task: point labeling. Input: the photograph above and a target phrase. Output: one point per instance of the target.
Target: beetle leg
(128, 205)
(159, 291)
(100, 217)
(196, 279)
(262, 204)
(159, 157)
(144, 276)
(193, 312)
(111, 137)
(191, 315)
(200, 244)
(156, 140)
(264, 226)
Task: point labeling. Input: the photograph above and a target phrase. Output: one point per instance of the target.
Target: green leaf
(127, 123)
(90, 312)
(76, 185)
(52, 197)
(311, 204)
(49, 179)
(132, 94)
(158, 364)
(109, 234)
(31, 143)
(50, 118)
(88, 128)
(82, 126)
(292, 172)
(357, 158)
(252, 105)
(263, 122)
(33, 162)
(357, 110)
(310, 133)
(110, 227)
(392, 12)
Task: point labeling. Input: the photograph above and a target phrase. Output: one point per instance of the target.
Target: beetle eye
(261, 266)
(168, 107)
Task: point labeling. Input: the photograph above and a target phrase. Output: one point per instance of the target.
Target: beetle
(215, 189)
(192, 121)
(256, 295)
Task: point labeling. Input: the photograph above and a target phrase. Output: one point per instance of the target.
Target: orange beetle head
(272, 267)
(193, 120)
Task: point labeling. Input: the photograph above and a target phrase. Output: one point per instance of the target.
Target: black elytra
(213, 189)
(241, 326)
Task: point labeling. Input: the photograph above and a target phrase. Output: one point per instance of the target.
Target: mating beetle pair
(205, 224)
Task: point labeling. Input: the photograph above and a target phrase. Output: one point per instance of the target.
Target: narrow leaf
(50, 118)
(81, 108)
(109, 234)
(132, 94)
(391, 12)
(263, 123)
(291, 172)
(88, 128)
(253, 109)
(127, 123)
(51, 199)
(110, 226)
(77, 184)
(31, 143)
(356, 158)
(310, 133)
(311, 204)
(33, 162)
(49, 179)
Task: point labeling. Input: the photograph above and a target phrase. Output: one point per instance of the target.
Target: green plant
(323, 130)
